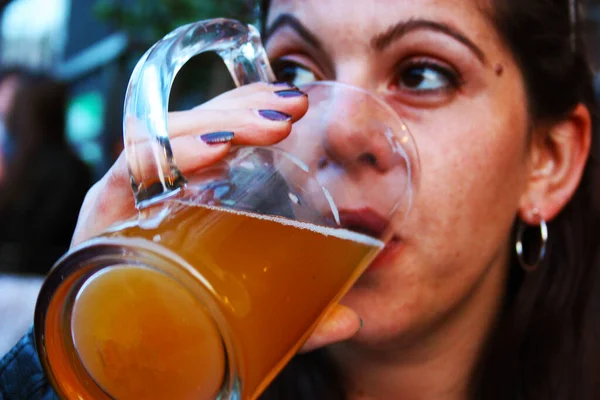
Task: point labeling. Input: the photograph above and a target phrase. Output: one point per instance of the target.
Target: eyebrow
(381, 41)
(293, 22)
(397, 31)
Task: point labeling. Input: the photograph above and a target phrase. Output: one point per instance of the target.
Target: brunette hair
(36, 120)
(546, 344)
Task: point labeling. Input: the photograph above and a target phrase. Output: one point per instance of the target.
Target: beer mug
(224, 274)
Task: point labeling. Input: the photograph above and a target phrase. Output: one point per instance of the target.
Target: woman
(45, 181)
(498, 95)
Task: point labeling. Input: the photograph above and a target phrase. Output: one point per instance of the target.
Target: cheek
(472, 179)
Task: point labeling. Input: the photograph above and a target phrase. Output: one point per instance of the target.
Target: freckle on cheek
(499, 69)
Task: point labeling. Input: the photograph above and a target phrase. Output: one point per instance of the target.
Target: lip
(364, 220)
(367, 221)
(386, 255)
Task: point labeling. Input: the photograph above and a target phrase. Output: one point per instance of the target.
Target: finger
(259, 127)
(209, 142)
(294, 103)
(226, 99)
(340, 324)
(291, 101)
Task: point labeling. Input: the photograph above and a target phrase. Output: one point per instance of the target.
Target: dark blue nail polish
(273, 115)
(289, 93)
(217, 137)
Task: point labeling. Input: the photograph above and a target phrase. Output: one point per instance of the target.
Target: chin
(386, 317)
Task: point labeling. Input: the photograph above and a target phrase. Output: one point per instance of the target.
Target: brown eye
(427, 77)
(292, 72)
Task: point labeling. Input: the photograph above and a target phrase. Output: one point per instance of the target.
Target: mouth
(368, 222)
(387, 255)
(365, 221)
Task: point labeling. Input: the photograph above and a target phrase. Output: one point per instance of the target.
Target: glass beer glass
(226, 271)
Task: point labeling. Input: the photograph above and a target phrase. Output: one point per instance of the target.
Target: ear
(557, 160)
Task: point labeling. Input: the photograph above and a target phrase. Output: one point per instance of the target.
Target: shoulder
(21, 375)
(18, 295)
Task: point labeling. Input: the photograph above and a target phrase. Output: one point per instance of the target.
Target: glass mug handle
(153, 172)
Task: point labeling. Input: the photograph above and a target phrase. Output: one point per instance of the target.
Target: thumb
(340, 323)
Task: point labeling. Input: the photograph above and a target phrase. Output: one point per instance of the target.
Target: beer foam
(339, 233)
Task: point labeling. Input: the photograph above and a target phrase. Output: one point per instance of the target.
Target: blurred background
(64, 67)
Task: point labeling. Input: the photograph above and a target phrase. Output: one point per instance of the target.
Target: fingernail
(273, 115)
(289, 93)
(217, 137)
(284, 84)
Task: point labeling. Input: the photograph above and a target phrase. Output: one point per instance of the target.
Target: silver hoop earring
(520, 248)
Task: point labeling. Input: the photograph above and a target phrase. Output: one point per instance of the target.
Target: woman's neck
(438, 365)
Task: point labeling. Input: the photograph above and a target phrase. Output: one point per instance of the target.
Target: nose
(356, 135)
(353, 143)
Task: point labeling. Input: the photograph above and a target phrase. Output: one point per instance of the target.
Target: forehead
(362, 19)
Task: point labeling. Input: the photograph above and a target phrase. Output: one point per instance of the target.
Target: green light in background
(85, 122)
(85, 117)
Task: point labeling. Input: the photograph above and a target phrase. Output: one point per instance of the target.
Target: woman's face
(442, 66)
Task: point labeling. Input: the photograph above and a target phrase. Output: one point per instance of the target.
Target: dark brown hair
(35, 121)
(547, 341)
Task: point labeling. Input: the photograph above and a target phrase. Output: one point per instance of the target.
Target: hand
(341, 323)
(110, 200)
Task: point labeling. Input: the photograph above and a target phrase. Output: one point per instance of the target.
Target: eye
(427, 77)
(293, 72)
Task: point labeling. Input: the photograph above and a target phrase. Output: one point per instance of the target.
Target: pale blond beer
(137, 333)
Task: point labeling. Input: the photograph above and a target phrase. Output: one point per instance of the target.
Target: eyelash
(281, 64)
(453, 77)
